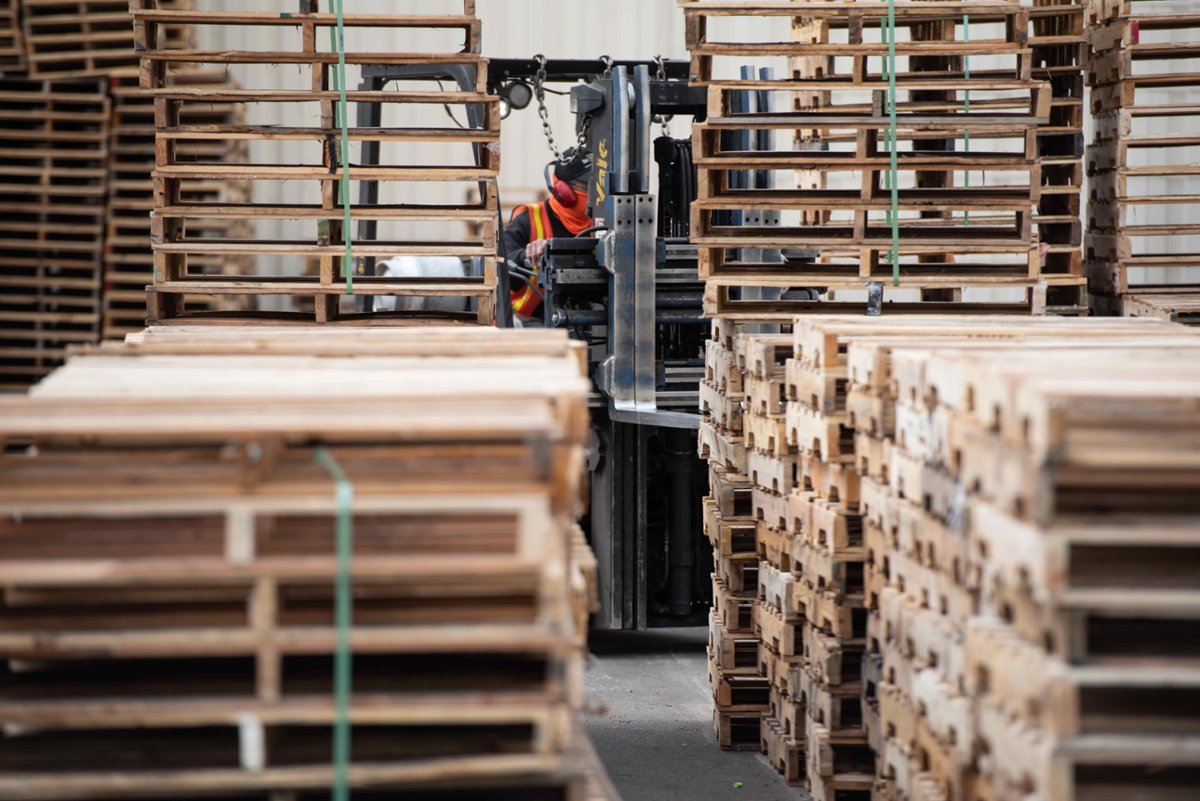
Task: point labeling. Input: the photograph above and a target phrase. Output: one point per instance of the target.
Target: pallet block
(784, 753)
(729, 650)
(773, 628)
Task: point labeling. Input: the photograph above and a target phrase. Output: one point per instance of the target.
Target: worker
(563, 214)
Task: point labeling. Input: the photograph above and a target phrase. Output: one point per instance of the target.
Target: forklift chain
(539, 91)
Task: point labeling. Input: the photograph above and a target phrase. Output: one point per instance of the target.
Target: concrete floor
(656, 739)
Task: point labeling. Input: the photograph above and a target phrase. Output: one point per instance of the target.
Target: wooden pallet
(732, 652)
(729, 493)
(785, 753)
(738, 731)
(1177, 306)
(863, 211)
(733, 610)
(740, 693)
(722, 447)
(585, 584)
(316, 180)
(723, 302)
(182, 585)
(52, 195)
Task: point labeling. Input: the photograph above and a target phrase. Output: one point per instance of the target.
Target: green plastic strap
(967, 108)
(887, 141)
(892, 137)
(338, 42)
(343, 618)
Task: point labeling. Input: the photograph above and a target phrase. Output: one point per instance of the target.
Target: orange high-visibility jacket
(526, 299)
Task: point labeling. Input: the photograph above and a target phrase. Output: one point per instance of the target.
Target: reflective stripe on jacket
(526, 299)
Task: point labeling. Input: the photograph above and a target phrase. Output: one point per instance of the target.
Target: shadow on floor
(656, 738)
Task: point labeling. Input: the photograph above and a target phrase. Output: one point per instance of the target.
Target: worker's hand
(534, 252)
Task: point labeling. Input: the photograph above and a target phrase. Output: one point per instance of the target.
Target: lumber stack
(170, 524)
(968, 171)
(1143, 218)
(404, 207)
(1059, 44)
(53, 186)
(128, 257)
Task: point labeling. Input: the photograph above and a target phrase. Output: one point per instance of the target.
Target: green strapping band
(343, 619)
(967, 108)
(887, 139)
(892, 136)
(338, 42)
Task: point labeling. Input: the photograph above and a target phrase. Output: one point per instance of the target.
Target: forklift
(630, 289)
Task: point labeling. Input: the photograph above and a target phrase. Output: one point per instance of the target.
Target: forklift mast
(616, 112)
(632, 292)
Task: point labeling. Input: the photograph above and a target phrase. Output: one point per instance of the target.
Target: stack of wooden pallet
(77, 258)
(171, 534)
(924, 553)
(128, 258)
(1143, 218)
(739, 689)
(826, 529)
(1076, 489)
(86, 38)
(12, 46)
(778, 610)
(314, 183)
(54, 148)
(967, 170)
(898, 558)
(1059, 46)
